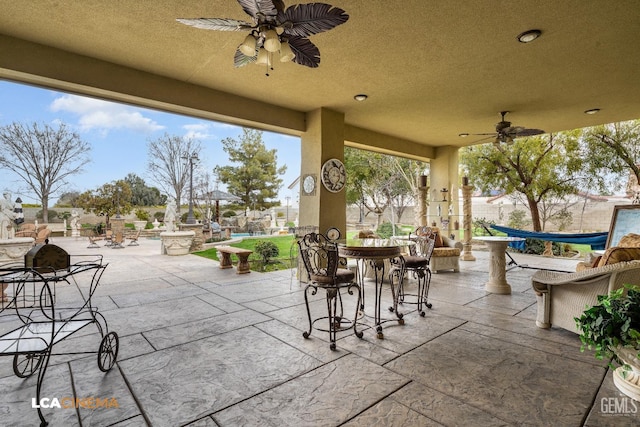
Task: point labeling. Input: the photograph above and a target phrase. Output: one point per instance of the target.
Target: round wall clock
(334, 175)
(309, 185)
(333, 234)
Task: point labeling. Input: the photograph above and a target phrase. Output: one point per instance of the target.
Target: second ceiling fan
(505, 133)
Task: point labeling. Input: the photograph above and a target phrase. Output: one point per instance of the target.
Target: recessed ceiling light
(463, 135)
(529, 36)
(592, 111)
(360, 97)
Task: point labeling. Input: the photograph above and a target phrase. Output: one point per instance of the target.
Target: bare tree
(167, 164)
(43, 156)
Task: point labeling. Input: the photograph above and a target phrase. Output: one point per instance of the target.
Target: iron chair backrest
(425, 242)
(424, 246)
(425, 230)
(319, 255)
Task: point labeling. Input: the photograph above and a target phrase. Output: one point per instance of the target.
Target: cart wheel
(24, 365)
(108, 351)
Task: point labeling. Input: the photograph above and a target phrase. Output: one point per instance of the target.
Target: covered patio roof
(431, 70)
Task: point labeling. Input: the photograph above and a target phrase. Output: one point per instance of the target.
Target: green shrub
(536, 246)
(385, 230)
(266, 250)
(52, 214)
(142, 214)
(518, 219)
(228, 214)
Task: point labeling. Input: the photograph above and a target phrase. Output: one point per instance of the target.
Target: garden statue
(7, 216)
(170, 216)
(75, 223)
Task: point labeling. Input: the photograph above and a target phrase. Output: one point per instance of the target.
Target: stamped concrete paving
(201, 346)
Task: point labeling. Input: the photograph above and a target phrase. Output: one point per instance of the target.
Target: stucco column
(323, 140)
(467, 221)
(444, 175)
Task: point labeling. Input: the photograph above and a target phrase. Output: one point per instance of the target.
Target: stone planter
(176, 242)
(628, 380)
(140, 225)
(13, 250)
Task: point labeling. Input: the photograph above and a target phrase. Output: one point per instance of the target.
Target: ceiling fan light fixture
(263, 57)
(277, 30)
(286, 54)
(529, 36)
(361, 97)
(248, 46)
(271, 41)
(592, 111)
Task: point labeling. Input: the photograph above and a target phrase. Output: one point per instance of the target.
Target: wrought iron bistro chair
(417, 265)
(321, 261)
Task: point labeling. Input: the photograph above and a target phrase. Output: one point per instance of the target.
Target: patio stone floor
(201, 346)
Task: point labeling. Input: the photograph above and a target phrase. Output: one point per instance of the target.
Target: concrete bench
(224, 255)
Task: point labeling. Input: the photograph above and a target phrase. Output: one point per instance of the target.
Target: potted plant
(143, 218)
(612, 329)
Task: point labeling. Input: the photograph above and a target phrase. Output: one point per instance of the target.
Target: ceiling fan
(274, 30)
(506, 133)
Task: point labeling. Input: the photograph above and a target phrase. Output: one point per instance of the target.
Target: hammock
(596, 240)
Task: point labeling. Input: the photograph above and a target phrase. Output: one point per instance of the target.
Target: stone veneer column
(198, 239)
(117, 225)
(467, 222)
(423, 194)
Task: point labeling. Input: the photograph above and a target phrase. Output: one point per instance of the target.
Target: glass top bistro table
(374, 252)
(497, 283)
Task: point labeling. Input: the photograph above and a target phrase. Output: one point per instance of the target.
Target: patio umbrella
(218, 195)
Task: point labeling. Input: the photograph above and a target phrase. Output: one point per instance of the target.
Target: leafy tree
(167, 163)
(255, 179)
(68, 199)
(142, 194)
(537, 168)
(377, 181)
(404, 189)
(109, 200)
(612, 150)
(43, 156)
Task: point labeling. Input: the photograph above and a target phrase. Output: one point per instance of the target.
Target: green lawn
(284, 244)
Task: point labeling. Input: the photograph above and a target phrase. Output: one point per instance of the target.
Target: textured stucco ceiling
(431, 69)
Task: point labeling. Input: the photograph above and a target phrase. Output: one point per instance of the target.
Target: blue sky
(119, 133)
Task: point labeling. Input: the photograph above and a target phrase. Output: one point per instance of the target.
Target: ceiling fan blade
(219, 24)
(480, 141)
(240, 59)
(306, 53)
(311, 18)
(529, 132)
(512, 130)
(279, 5)
(254, 8)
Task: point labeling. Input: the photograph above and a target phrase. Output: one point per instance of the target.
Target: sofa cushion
(437, 237)
(446, 251)
(630, 240)
(619, 254)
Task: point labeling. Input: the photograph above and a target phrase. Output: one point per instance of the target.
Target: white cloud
(198, 131)
(96, 114)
